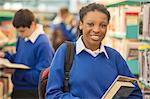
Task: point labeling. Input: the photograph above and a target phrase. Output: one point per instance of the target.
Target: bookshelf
(124, 29)
(127, 32)
(144, 63)
(8, 30)
(116, 3)
(5, 85)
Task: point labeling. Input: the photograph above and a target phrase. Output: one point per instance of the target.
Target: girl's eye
(90, 24)
(103, 26)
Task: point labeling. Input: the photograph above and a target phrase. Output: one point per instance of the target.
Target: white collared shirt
(35, 34)
(80, 46)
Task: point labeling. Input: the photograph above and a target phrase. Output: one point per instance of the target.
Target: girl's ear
(80, 25)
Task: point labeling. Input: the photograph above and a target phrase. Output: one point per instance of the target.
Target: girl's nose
(96, 29)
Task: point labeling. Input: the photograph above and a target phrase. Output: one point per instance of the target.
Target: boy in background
(32, 49)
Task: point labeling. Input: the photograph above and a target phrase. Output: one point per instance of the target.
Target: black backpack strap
(68, 63)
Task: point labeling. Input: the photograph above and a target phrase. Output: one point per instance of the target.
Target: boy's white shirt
(80, 46)
(39, 30)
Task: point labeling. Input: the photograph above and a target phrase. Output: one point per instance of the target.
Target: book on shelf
(1, 90)
(146, 21)
(120, 88)
(4, 81)
(144, 63)
(6, 86)
(4, 63)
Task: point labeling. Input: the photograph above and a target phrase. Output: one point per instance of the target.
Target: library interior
(33, 39)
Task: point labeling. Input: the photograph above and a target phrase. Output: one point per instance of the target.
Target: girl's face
(94, 28)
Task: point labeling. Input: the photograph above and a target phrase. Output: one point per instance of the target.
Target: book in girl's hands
(120, 88)
(4, 63)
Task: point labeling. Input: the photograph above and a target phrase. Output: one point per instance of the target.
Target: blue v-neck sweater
(90, 76)
(37, 56)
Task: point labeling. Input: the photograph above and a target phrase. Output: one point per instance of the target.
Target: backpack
(67, 66)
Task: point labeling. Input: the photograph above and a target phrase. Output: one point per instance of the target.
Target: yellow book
(1, 90)
(4, 63)
(120, 88)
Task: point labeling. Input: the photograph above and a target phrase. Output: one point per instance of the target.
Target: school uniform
(35, 52)
(91, 74)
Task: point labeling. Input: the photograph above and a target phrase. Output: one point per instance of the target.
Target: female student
(95, 66)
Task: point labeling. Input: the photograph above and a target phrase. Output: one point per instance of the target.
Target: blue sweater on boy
(37, 56)
(90, 76)
(69, 33)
